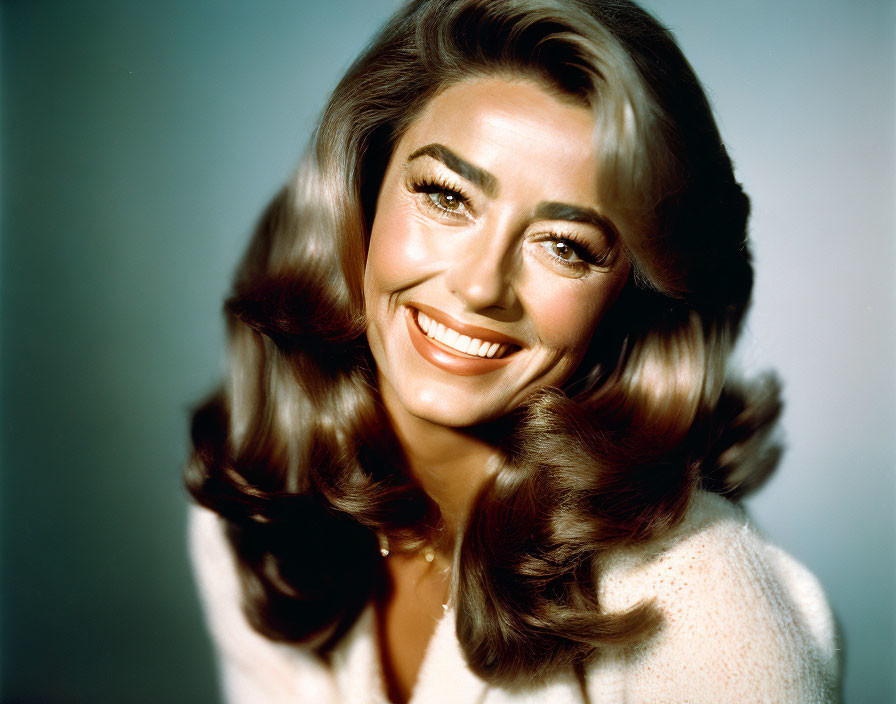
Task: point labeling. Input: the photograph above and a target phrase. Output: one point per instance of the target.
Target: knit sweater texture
(742, 622)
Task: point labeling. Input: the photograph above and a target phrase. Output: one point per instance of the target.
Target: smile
(449, 337)
(457, 347)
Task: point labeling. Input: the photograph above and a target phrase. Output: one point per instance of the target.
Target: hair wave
(296, 453)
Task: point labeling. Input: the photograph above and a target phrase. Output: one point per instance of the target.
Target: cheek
(569, 314)
(397, 250)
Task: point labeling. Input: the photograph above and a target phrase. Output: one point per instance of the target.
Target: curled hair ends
(740, 434)
(534, 549)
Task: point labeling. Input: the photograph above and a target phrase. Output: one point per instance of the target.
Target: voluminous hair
(296, 453)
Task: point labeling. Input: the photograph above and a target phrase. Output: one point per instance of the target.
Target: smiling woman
(498, 251)
(479, 441)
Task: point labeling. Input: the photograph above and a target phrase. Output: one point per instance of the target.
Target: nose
(482, 272)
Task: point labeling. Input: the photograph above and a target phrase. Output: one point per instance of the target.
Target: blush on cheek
(568, 319)
(397, 250)
(567, 327)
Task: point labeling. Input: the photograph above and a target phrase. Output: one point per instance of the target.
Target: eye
(562, 250)
(568, 251)
(449, 201)
(442, 198)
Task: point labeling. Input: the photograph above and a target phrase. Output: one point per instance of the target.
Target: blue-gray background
(140, 141)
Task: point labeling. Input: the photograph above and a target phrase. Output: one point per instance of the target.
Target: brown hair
(295, 452)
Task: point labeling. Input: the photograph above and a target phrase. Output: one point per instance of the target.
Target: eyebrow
(488, 183)
(575, 213)
(479, 177)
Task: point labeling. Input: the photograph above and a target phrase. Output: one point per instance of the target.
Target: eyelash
(431, 186)
(582, 249)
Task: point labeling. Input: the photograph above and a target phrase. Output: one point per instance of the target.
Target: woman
(478, 420)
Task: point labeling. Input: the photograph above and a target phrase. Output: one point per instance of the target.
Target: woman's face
(491, 261)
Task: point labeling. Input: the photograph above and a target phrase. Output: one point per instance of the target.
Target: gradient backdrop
(140, 141)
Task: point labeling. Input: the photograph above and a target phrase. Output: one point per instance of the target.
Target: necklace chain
(427, 552)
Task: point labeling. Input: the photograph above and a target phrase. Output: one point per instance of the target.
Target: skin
(471, 229)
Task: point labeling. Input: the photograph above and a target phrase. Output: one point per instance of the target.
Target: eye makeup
(588, 255)
(446, 197)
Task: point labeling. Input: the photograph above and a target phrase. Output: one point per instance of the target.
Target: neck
(450, 464)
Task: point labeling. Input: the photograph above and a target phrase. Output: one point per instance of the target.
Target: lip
(465, 328)
(454, 363)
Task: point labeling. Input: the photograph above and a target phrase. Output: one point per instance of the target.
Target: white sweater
(744, 622)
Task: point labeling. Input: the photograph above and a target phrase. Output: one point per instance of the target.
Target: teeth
(455, 340)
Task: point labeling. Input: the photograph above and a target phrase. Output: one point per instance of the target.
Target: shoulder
(252, 667)
(742, 620)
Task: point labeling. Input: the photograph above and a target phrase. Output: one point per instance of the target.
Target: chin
(458, 412)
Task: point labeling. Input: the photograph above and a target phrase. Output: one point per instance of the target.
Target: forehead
(510, 127)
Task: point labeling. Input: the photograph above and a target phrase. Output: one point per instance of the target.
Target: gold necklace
(427, 551)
